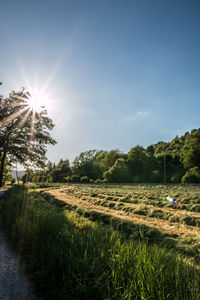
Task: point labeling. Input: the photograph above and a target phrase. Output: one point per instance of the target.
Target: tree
(190, 154)
(59, 172)
(150, 150)
(28, 176)
(24, 132)
(192, 176)
(137, 158)
(106, 159)
(85, 164)
(119, 172)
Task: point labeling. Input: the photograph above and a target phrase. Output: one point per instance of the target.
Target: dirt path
(14, 284)
(163, 225)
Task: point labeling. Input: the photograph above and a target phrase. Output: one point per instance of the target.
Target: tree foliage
(176, 161)
(119, 172)
(24, 133)
(192, 176)
(190, 154)
(86, 164)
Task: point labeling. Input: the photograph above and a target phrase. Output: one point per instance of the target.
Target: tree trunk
(17, 175)
(2, 168)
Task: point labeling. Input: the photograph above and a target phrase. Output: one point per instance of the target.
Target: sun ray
(22, 122)
(32, 125)
(31, 138)
(13, 116)
(24, 97)
(15, 104)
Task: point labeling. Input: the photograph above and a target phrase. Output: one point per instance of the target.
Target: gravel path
(14, 284)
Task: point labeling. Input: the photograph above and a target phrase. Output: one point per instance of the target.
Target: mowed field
(144, 205)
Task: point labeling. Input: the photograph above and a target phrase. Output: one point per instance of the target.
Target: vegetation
(177, 161)
(146, 205)
(23, 132)
(91, 241)
(71, 257)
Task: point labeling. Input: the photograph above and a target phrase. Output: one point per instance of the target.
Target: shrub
(49, 179)
(74, 178)
(85, 179)
(68, 179)
(99, 181)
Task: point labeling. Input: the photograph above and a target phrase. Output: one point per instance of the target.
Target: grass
(160, 223)
(72, 257)
(144, 200)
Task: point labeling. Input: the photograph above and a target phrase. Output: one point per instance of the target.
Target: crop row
(126, 204)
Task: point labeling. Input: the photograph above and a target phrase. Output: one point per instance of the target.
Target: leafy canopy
(24, 132)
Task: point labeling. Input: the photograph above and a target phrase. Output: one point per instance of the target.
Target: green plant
(74, 255)
(85, 179)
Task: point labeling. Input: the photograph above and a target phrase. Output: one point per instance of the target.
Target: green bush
(68, 179)
(100, 181)
(75, 178)
(85, 179)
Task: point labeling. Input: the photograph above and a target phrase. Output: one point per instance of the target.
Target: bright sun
(38, 100)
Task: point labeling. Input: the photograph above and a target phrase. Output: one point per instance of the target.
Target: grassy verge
(71, 257)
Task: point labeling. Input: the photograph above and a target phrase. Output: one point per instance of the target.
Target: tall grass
(71, 257)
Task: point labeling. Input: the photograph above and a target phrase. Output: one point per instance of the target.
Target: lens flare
(169, 199)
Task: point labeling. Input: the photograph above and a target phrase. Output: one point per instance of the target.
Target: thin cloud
(140, 115)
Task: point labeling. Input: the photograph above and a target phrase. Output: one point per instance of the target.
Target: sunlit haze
(111, 74)
(39, 100)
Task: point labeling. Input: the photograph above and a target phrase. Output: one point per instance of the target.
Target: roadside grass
(72, 257)
(188, 247)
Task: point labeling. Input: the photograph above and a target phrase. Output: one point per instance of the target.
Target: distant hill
(20, 174)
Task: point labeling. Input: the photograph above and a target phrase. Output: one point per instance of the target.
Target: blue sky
(119, 73)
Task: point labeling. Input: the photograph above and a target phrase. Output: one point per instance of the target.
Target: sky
(118, 73)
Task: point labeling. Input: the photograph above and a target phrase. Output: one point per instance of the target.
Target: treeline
(177, 161)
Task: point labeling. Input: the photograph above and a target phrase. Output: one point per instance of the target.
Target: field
(178, 222)
(107, 241)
